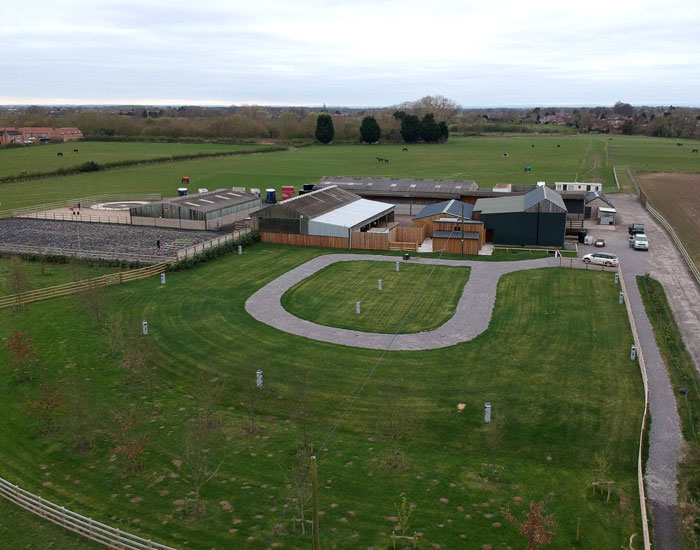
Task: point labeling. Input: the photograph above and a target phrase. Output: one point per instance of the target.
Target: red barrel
(287, 192)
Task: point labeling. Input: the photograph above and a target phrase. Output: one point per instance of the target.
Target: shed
(606, 216)
(593, 202)
(210, 211)
(458, 236)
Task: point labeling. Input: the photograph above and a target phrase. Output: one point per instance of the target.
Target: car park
(601, 258)
(639, 241)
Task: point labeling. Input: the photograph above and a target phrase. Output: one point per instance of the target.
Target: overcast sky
(356, 53)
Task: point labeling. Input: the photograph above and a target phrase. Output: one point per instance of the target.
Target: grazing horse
(532, 145)
(75, 150)
(679, 144)
(695, 150)
(59, 154)
(505, 154)
(558, 145)
(405, 149)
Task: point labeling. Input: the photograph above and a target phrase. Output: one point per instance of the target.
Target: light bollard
(144, 327)
(622, 298)
(487, 412)
(633, 352)
(357, 307)
(240, 249)
(259, 378)
(379, 284)
(162, 278)
(617, 278)
(397, 267)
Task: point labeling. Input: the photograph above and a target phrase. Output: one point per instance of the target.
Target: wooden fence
(68, 217)
(81, 286)
(640, 462)
(361, 240)
(218, 241)
(84, 526)
(304, 240)
(577, 263)
(82, 253)
(84, 201)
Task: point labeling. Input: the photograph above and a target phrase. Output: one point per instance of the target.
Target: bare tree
(299, 476)
(18, 281)
(209, 392)
(80, 422)
(126, 437)
(23, 355)
(44, 406)
(199, 437)
(301, 404)
(394, 421)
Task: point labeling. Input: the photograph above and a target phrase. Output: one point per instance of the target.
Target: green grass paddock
(329, 296)
(44, 158)
(555, 405)
(644, 154)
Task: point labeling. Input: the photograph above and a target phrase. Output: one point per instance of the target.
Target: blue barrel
(270, 196)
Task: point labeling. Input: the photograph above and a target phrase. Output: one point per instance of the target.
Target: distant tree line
(405, 122)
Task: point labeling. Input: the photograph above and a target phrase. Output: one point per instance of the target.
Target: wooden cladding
(304, 240)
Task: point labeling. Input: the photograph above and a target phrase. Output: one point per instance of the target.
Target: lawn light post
(397, 267)
(617, 278)
(379, 284)
(622, 298)
(144, 327)
(259, 378)
(162, 278)
(357, 307)
(633, 352)
(240, 249)
(487, 412)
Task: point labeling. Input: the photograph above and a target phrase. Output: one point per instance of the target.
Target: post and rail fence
(193, 250)
(84, 201)
(81, 286)
(84, 526)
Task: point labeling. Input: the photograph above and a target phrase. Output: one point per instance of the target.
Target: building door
(489, 235)
(587, 213)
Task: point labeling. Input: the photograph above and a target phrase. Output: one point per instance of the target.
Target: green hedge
(215, 252)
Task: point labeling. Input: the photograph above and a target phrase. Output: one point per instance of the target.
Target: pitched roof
(211, 201)
(452, 207)
(542, 193)
(310, 205)
(354, 213)
(500, 205)
(400, 186)
(593, 195)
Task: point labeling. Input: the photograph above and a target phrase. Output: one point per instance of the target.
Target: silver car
(601, 258)
(639, 241)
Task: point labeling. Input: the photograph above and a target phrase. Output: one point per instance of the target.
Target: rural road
(471, 318)
(663, 262)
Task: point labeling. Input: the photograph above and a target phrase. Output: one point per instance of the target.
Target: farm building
(209, 211)
(577, 186)
(409, 195)
(594, 201)
(456, 236)
(326, 217)
(535, 219)
(446, 209)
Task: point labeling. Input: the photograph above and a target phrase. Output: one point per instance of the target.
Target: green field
(478, 158)
(555, 405)
(643, 154)
(44, 158)
(52, 274)
(328, 297)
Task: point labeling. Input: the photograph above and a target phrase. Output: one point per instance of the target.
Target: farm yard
(677, 197)
(458, 472)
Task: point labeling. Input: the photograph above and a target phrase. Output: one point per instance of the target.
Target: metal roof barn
(341, 221)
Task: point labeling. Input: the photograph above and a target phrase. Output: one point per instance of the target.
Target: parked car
(639, 241)
(601, 258)
(599, 243)
(635, 228)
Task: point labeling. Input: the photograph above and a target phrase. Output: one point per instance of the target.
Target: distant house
(34, 135)
(10, 135)
(66, 134)
(535, 219)
(593, 202)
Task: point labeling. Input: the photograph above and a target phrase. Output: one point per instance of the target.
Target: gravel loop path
(471, 318)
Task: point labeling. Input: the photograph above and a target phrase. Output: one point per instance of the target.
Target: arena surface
(106, 240)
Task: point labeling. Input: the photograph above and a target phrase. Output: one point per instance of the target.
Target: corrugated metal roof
(500, 205)
(540, 194)
(211, 201)
(593, 195)
(400, 187)
(353, 214)
(319, 202)
(452, 207)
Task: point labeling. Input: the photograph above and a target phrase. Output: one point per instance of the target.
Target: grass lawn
(645, 154)
(478, 158)
(53, 274)
(44, 158)
(328, 297)
(555, 405)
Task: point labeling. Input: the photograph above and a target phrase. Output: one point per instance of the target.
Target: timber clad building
(535, 219)
(327, 217)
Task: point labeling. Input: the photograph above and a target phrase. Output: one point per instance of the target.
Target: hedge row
(60, 259)
(215, 252)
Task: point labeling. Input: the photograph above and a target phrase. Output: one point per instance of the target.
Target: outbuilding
(537, 218)
(452, 209)
(326, 217)
(593, 202)
(208, 211)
